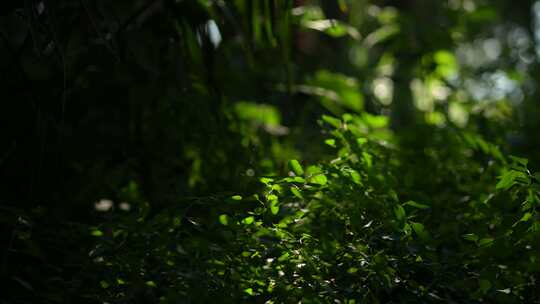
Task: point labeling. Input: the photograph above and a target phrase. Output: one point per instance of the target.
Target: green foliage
(169, 152)
(338, 93)
(352, 229)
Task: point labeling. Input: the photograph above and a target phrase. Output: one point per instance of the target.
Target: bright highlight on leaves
(224, 219)
(96, 232)
(296, 167)
(248, 220)
(330, 142)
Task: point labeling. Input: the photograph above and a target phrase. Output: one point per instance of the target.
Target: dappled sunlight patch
(103, 205)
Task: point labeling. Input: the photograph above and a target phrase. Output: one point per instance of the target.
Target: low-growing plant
(444, 218)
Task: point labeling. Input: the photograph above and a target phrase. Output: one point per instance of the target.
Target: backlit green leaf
(296, 167)
(330, 142)
(319, 178)
(96, 232)
(248, 220)
(224, 219)
(334, 122)
(296, 192)
(274, 207)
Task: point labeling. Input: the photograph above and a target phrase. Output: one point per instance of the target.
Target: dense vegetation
(272, 151)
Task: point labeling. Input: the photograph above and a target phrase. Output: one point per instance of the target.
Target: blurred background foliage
(153, 106)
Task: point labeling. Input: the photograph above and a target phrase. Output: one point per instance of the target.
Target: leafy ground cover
(380, 222)
(272, 151)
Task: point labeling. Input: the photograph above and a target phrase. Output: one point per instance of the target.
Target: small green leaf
(151, 284)
(248, 220)
(298, 179)
(283, 257)
(258, 113)
(336, 123)
(236, 198)
(274, 208)
(294, 179)
(96, 232)
(332, 27)
(355, 176)
(470, 237)
(368, 159)
(535, 227)
(506, 181)
(271, 197)
(407, 229)
(296, 192)
(519, 160)
(249, 291)
(525, 218)
(330, 142)
(381, 34)
(420, 230)
(400, 213)
(496, 152)
(104, 284)
(485, 242)
(319, 179)
(416, 205)
(361, 141)
(510, 178)
(224, 219)
(347, 117)
(296, 167)
(266, 180)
